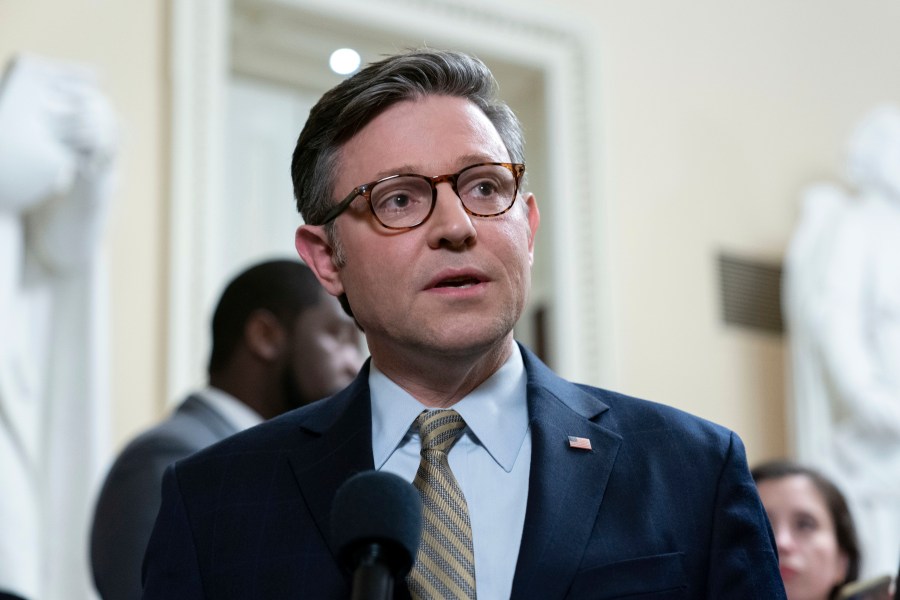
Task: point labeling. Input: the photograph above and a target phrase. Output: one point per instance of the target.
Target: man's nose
(450, 225)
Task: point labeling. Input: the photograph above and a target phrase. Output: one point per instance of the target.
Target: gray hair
(348, 107)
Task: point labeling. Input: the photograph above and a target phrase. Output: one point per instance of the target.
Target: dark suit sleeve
(125, 513)
(744, 563)
(170, 569)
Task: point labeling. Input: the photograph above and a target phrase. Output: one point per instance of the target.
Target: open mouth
(458, 282)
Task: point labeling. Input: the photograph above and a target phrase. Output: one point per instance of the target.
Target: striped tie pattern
(445, 563)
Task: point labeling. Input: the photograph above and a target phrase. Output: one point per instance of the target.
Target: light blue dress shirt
(490, 461)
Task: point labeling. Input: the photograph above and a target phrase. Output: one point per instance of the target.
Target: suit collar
(235, 411)
(570, 395)
(566, 485)
(196, 407)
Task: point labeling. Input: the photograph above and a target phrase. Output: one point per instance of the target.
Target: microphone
(376, 525)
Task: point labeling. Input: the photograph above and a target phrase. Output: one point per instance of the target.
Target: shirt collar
(239, 415)
(496, 413)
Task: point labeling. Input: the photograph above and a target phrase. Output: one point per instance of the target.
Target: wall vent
(751, 293)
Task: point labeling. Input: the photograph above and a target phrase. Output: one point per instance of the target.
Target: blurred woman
(817, 545)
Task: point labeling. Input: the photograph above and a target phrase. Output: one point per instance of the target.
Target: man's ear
(313, 247)
(534, 219)
(264, 336)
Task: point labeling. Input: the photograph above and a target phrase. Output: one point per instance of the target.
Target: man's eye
(399, 201)
(486, 188)
(399, 194)
(481, 188)
(393, 201)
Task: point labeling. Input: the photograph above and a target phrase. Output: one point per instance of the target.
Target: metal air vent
(751, 293)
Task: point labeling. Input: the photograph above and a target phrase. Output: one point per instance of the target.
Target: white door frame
(580, 323)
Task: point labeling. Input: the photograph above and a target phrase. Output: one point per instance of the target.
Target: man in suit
(409, 178)
(278, 342)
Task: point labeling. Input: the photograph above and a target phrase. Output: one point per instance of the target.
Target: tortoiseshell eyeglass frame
(365, 190)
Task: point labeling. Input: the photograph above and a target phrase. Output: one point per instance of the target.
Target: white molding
(581, 326)
(199, 70)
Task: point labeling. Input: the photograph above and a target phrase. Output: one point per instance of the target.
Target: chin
(471, 344)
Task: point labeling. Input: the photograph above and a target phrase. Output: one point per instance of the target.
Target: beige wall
(126, 43)
(715, 114)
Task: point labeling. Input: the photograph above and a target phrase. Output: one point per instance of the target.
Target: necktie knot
(439, 429)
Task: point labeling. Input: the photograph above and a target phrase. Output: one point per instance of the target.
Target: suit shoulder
(618, 412)
(629, 414)
(169, 440)
(234, 470)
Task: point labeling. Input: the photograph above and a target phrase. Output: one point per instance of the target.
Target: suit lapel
(339, 445)
(566, 484)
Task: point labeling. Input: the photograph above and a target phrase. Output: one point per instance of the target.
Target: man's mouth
(458, 282)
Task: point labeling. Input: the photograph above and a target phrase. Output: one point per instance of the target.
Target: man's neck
(440, 380)
(242, 383)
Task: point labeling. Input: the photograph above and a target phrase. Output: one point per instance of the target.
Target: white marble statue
(57, 139)
(842, 303)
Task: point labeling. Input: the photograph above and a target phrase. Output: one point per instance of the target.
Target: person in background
(279, 341)
(818, 550)
(409, 178)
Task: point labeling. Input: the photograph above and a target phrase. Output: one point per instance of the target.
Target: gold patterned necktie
(445, 563)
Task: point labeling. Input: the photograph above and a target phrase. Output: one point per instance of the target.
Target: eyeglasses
(407, 200)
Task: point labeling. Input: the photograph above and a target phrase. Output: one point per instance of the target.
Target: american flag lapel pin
(579, 442)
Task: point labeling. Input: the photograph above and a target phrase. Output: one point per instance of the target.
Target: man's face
(324, 352)
(455, 285)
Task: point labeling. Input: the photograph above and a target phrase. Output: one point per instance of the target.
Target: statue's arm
(63, 232)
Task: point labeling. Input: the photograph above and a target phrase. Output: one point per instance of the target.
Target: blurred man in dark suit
(279, 341)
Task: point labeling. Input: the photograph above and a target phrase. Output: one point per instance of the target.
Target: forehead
(431, 135)
(792, 492)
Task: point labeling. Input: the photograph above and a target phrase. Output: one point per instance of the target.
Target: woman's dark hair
(844, 529)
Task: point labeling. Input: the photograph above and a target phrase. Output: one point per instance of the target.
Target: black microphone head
(377, 507)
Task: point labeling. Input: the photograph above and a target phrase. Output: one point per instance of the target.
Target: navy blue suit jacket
(662, 506)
